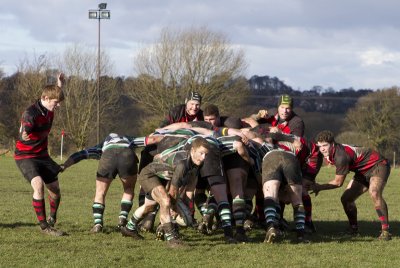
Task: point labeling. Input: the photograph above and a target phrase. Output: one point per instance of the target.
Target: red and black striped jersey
(308, 156)
(294, 125)
(36, 121)
(348, 158)
(179, 114)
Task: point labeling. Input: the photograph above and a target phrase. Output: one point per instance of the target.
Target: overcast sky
(339, 44)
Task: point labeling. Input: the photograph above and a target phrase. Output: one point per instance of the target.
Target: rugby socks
(200, 200)
(98, 211)
(126, 206)
(307, 207)
(212, 206)
(170, 231)
(239, 213)
(226, 218)
(133, 222)
(40, 210)
(54, 203)
(383, 218)
(299, 217)
(270, 212)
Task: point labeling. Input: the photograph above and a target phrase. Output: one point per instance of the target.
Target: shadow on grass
(335, 231)
(17, 225)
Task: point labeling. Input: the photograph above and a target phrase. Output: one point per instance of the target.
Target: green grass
(21, 243)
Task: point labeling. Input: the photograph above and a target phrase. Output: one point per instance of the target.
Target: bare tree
(377, 116)
(195, 59)
(79, 112)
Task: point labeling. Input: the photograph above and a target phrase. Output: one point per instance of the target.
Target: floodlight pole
(99, 14)
(98, 83)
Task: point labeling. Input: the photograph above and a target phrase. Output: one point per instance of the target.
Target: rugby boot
(385, 236)
(301, 237)
(160, 233)
(271, 235)
(309, 227)
(131, 233)
(205, 227)
(352, 231)
(171, 235)
(248, 225)
(283, 225)
(122, 223)
(52, 231)
(241, 237)
(51, 221)
(97, 228)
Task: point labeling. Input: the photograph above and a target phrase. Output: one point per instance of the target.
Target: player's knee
(346, 198)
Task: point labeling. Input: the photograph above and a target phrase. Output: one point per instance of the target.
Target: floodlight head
(103, 6)
(105, 14)
(93, 14)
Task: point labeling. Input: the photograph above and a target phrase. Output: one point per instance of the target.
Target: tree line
(181, 61)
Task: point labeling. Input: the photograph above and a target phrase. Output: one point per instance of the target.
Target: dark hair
(233, 122)
(325, 136)
(211, 109)
(193, 96)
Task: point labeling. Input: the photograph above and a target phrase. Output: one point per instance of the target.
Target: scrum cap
(193, 96)
(285, 100)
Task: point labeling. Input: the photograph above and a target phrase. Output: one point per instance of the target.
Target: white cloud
(330, 43)
(379, 57)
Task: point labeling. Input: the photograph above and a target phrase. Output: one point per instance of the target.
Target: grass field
(22, 245)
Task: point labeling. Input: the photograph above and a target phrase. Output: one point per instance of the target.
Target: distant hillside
(266, 90)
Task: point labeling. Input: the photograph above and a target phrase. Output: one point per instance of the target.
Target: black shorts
(212, 165)
(282, 166)
(44, 167)
(381, 170)
(147, 155)
(121, 161)
(235, 161)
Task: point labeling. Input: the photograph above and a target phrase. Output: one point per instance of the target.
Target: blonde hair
(53, 92)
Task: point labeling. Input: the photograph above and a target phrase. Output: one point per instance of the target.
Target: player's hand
(62, 168)
(274, 130)
(25, 136)
(262, 114)
(61, 80)
(315, 188)
(66, 164)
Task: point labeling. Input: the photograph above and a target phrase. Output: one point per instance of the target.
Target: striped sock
(239, 211)
(132, 223)
(126, 206)
(299, 217)
(225, 215)
(54, 204)
(98, 211)
(270, 212)
(40, 210)
(382, 218)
